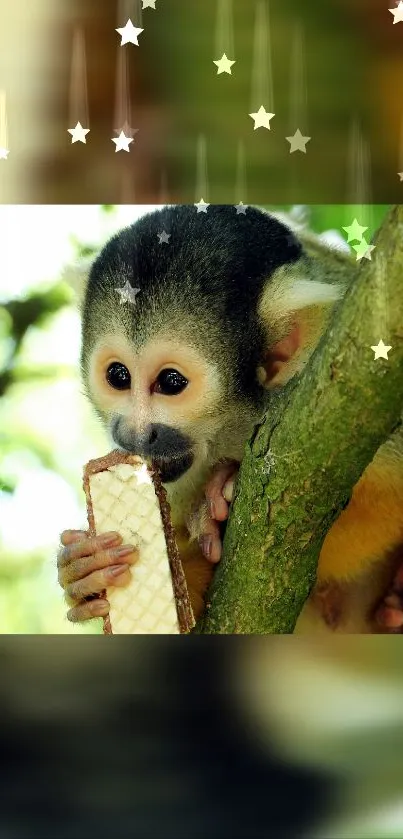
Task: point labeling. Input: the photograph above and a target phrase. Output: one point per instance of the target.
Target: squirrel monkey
(222, 308)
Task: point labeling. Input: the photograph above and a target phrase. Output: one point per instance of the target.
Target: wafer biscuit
(125, 495)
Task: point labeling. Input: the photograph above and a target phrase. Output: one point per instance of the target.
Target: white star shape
(202, 206)
(129, 34)
(224, 65)
(398, 13)
(78, 133)
(164, 237)
(122, 142)
(149, 4)
(381, 351)
(127, 293)
(400, 175)
(142, 476)
(262, 118)
(355, 231)
(364, 249)
(241, 209)
(127, 130)
(298, 142)
(4, 153)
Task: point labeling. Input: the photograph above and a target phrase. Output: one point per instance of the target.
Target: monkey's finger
(210, 541)
(390, 613)
(88, 609)
(69, 536)
(390, 619)
(82, 566)
(228, 490)
(95, 583)
(86, 547)
(214, 490)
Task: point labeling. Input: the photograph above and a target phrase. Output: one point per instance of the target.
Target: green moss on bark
(305, 457)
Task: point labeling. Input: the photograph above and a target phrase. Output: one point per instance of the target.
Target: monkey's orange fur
(369, 527)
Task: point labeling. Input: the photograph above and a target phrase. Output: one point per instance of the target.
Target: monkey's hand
(389, 614)
(87, 566)
(203, 524)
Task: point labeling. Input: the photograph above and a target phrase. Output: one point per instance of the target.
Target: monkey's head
(177, 365)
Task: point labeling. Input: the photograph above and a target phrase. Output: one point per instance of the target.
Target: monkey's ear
(296, 314)
(76, 276)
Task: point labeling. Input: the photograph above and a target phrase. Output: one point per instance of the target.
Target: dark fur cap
(203, 285)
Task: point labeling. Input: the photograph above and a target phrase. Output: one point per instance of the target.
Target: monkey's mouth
(171, 470)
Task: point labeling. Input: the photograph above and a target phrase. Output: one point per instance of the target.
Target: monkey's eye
(170, 382)
(118, 376)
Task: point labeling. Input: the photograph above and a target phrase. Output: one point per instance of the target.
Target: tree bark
(317, 437)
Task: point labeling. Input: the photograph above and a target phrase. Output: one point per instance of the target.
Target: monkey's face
(162, 402)
(174, 372)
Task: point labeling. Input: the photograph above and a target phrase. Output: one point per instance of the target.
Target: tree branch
(318, 436)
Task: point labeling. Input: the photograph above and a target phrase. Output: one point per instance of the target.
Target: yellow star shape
(129, 34)
(127, 293)
(400, 175)
(364, 249)
(122, 142)
(224, 65)
(397, 13)
(298, 142)
(78, 133)
(202, 206)
(381, 351)
(262, 118)
(355, 232)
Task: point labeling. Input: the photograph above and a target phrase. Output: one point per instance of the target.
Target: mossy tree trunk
(305, 457)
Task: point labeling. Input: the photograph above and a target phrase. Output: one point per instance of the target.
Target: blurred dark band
(139, 739)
